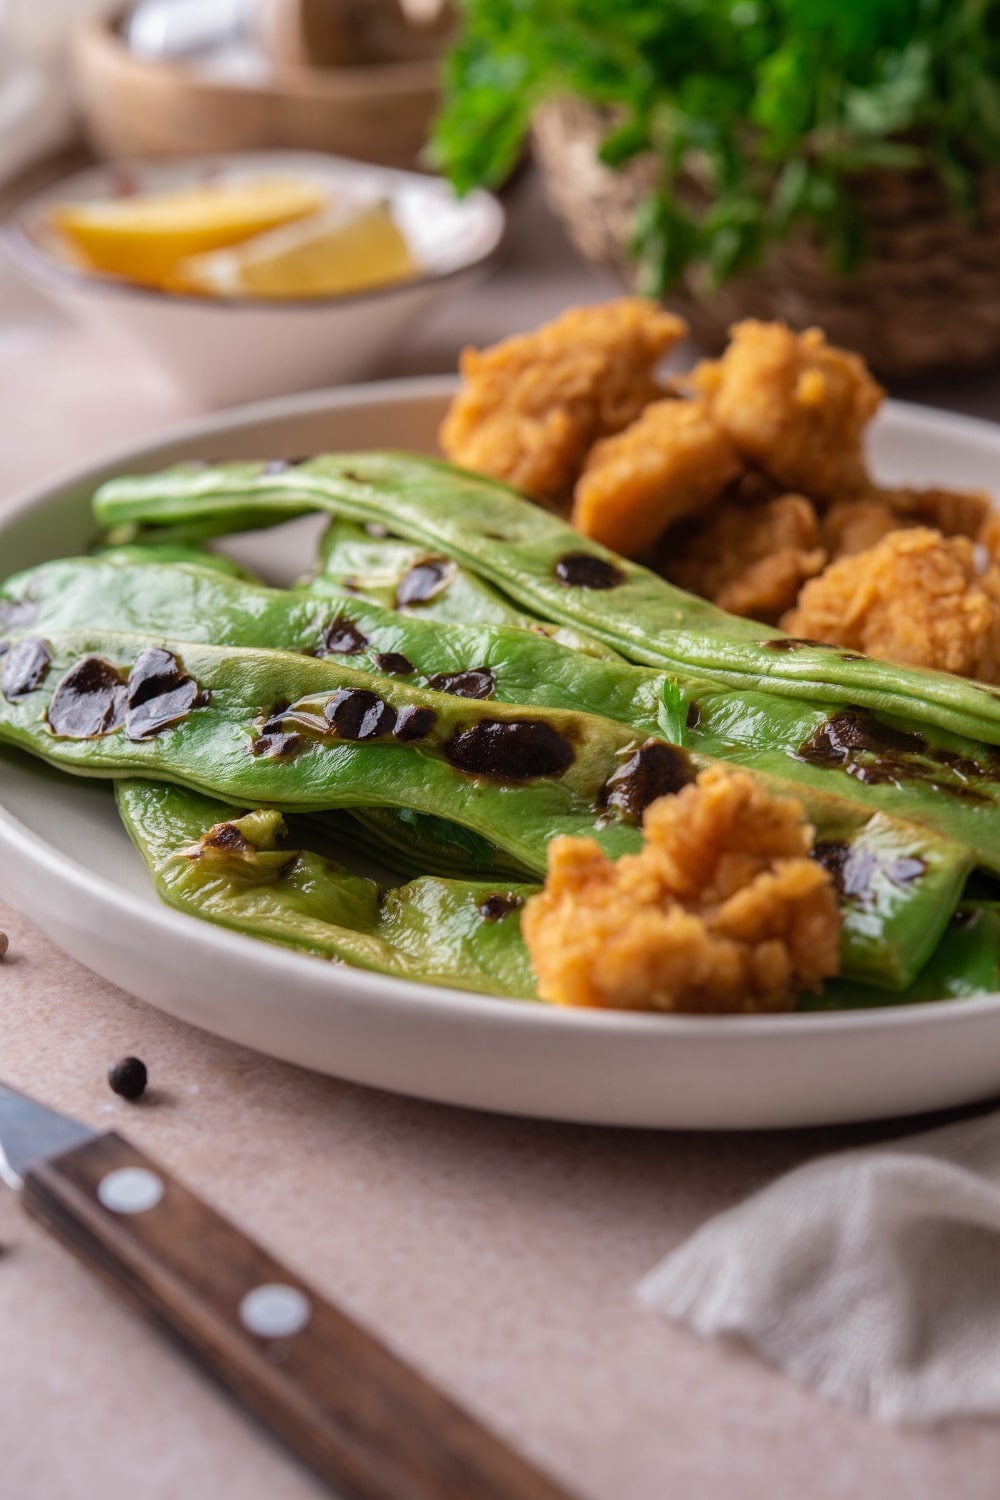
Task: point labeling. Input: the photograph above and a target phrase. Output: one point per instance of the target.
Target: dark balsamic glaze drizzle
(478, 682)
(655, 770)
(854, 869)
(579, 570)
(89, 702)
(276, 745)
(394, 663)
(857, 743)
(495, 908)
(414, 723)
(343, 638)
(25, 668)
(357, 714)
(17, 614)
(159, 693)
(423, 581)
(510, 750)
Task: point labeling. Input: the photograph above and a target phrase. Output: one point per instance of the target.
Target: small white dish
(238, 349)
(67, 863)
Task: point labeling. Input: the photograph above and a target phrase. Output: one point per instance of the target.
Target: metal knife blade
(31, 1132)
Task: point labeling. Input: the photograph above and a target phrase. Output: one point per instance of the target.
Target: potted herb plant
(822, 161)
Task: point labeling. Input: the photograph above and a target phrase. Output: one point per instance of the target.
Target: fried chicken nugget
(750, 559)
(530, 407)
(722, 911)
(857, 523)
(794, 405)
(672, 461)
(914, 598)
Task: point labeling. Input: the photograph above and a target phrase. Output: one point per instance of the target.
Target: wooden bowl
(133, 107)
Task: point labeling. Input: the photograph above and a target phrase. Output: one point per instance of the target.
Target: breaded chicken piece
(673, 461)
(989, 535)
(750, 559)
(953, 512)
(855, 524)
(722, 910)
(530, 407)
(794, 405)
(914, 598)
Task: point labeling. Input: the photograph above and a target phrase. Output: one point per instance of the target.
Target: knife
(354, 1411)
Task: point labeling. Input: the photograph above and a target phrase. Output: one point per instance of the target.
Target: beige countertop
(500, 1255)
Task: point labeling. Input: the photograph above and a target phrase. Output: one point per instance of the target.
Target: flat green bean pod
(283, 730)
(941, 782)
(235, 868)
(553, 571)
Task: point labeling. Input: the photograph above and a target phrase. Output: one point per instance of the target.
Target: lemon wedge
(324, 256)
(143, 238)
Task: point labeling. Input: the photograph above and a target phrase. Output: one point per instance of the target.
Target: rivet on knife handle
(348, 1406)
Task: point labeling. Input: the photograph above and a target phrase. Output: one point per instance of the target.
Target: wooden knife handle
(348, 1406)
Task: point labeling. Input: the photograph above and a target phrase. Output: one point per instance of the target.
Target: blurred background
(821, 161)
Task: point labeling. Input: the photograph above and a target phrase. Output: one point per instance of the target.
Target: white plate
(66, 863)
(236, 349)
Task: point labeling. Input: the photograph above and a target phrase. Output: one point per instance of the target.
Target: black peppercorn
(128, 1077)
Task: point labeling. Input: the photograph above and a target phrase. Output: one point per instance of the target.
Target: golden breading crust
(671, 462)
(531, 406)
(914, 598)
(750, 559)
(793, 405)
(721, 911)
(855, 524)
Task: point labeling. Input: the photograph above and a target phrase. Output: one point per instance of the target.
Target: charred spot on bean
(394, 663)
(276, 746)
(855, 729)
(510, 750)
(414, 723)
(795, 643)
(580, 570)
(855, 742)
(478, 682)
(353, 477)
(357, 714)
(159, 693)
(854, 869)
(424, 581)
(495, 908)
(343, 638)
(25, 668)
(18, 614)
(655, 770)
(273, 723)
(227, 837)
(90, 701)
(693, 718)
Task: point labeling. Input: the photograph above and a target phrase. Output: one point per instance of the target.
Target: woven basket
(927, 297)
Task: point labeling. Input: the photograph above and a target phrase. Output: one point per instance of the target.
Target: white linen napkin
(872, 1275)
